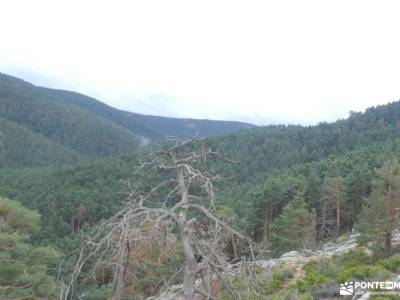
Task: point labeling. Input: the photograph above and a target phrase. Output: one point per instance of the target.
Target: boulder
(308, 253)
(290, 254)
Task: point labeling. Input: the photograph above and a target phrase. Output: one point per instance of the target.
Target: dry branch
(190, 193)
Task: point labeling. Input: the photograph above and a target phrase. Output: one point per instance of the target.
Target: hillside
(263, 155)
(65, 126)
(20, 146)
(80, 131)
(152, 127)
(292, 188)
(260, 150)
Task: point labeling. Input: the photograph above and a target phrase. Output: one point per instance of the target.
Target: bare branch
(147, 215)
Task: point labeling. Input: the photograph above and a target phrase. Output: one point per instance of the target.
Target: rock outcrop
(294, 260)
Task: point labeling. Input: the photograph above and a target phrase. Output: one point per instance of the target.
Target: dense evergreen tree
(24, 269)
(261, 150)
(380, 214)
(332, 203)
(292, 229)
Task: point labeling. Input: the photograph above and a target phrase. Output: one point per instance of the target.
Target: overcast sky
(258, 61)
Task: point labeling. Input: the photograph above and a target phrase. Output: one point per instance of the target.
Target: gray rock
(291, 254)
(318, 253)
(171, 294)
(266, 264)
(396, 237)
(308, 253)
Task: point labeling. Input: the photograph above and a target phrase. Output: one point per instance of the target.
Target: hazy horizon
(261, 62)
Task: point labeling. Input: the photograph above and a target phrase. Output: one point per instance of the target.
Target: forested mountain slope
(58, 192)
(53, 127)
(359, 144)
(82, 127)
(260, 150)
(64, 124)
(291, 188)
(122, 118)
(20, 146)
(152, 127)
(99, 186)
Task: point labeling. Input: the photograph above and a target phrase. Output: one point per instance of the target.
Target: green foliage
(40, 118)
(287, 154)
(290, 229)
(361, 272)
(311, 280)
(20, 146)
(16, 218)
(353, 265)
(261, 150)
(25, 270)
(392, 263)
(278, 277)
(40, 126)
(279, 182)
(289, 295)
(264, 286)
(355, 257)
(385, 297)
(103, 292)
(58, 192)
(356, 168)
(151, 127)
(379, 216)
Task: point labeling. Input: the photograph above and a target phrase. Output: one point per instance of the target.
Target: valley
(71, 165)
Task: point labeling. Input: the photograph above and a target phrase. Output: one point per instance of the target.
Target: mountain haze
(54, 126)
(152, 127)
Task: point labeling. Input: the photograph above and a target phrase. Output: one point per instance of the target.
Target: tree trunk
(322, 228)
(189, 275)
(189, 278)
(388, 243)
(234, 246)
(337, 196)
(392, 214)
(269, 212)
(337, 218)
(122, 266)
(312, 234)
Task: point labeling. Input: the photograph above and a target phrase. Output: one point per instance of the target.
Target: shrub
(321, 275)
(289, 295)
(354, 258)
(266, 284)
(281, 275)
(392, 263)
(388, 297)
(361, 272)
(311, 279)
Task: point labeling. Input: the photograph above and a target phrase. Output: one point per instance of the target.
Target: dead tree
(183, 197)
